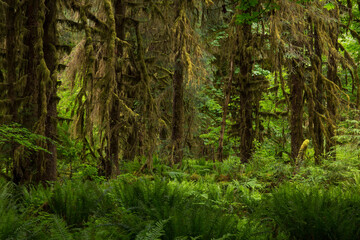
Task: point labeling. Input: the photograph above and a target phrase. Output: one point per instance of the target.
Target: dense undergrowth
(266, 199)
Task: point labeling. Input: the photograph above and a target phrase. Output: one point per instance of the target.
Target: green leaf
(329, 6)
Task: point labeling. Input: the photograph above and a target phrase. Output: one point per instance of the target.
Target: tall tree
(11, 48)
(177, 135)
(38, 106)
(225, 110)
(51, 60)
(293, 33)
(248, 87)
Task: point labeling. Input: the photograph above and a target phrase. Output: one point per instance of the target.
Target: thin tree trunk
(331, 99)
(11, 58)
(318, 97)
(225, 110)
(296, 110)
(178, 110)
(177, 136)
(331, 107)
(11, 68)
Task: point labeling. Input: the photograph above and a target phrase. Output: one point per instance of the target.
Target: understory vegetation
(265, 199)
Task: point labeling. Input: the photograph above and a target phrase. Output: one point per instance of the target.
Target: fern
(59, 230)
(75, 202)
(192, 209)
(312, 213)
(11, 221)
(152, 231)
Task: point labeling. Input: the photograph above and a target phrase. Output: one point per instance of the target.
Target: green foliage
(11, 223)
(68, 149)
(17, 221)
(209, 206)
(74, 201)
(49, 227)
(349, 130)
(249, 13)
(180, 209)
(308, 212)
(329, 6)
(152, 231)
(16, 134)
(86, 172)
(34, 198)
(211, 100)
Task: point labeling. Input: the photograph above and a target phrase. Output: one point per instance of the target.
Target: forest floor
(265, 199)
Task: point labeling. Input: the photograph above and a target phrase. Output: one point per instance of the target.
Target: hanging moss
(302, 151)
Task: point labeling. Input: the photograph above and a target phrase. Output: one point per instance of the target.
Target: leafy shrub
(86, 172)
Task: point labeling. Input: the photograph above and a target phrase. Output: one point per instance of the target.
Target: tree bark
(109, 92)
(177, 136)
(330, 98)
(331, 107)
(112, 167)
(24, 167)
(246, 96)
(11, 58)
(225, 110)
(318, 97)
(51, 58)
(296, 109)
(39, 113)
(178, 110)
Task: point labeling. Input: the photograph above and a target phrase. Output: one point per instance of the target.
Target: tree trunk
(225, 110)
(110, 94)
(11, 58)
(330, 91)
(51, 59)
(24, 167)
(11, 69)
(296, 110)
(39, 113)
(178, 110)
(331, 107)
(246, 96)
(177, 136)
(112, 167)
(318, 97)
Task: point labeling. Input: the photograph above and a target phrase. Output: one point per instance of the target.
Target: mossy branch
(72, 24)
(302, 151)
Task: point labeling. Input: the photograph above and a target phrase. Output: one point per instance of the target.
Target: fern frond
(153, 231)
(59, 230)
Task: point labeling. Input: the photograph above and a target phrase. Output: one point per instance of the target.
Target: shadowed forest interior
(179, 119)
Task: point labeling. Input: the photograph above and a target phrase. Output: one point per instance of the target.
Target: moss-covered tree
(32, 82)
